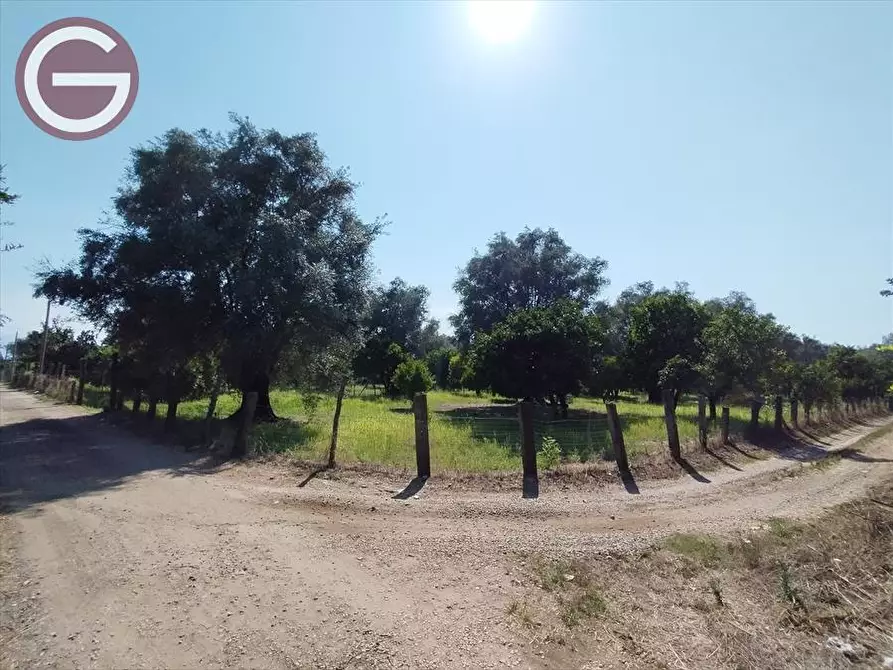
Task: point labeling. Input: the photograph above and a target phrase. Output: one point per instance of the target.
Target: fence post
(422, 446)
(531, 483)
(119, 400)
(137, 401)
(702, 421)
(170, 418)
(72, 390)
(670, 419)
(795, 408)
(755, 406)
(779, 413)
(617, 438)
(240, 443)
(81, 381)
(724, 425)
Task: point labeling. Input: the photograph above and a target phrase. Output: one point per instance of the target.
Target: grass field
(468, 433)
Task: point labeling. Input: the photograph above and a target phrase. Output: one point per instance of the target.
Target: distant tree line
(238, 260)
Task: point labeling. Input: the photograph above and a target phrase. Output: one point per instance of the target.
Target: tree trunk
(562, 404)
(711, 403)
(654, 396)
(755, 414)
(212, 406)
(333, 445)
(171, 419)
(137, 401)
(676, 397)
(152, 409)
(257, 383)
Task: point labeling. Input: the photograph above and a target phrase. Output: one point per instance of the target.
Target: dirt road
(118, 553)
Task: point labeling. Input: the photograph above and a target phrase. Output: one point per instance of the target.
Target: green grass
(701, 548)
(468, 432)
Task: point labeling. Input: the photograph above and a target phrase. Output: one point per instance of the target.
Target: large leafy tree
(244, 244)
(742, 348)
(534, 270)
(539, 353)
(664, 325)
(817, 386)
(395, 326)
(860, 376)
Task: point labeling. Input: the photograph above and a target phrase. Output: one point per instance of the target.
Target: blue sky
(736, 146)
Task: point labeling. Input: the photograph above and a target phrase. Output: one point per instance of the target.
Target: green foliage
(244, 245)
(663, 325)
(539, 352)
(438, 362)
(817, 385)
(549, 454)
(396, 316)
(610, 378)
(534, 270)
(412, 377)
(63, 347)
(743, 348)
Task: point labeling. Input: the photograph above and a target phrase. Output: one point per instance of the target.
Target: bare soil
(121, 553)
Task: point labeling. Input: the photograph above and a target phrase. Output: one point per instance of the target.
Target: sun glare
(501, 21)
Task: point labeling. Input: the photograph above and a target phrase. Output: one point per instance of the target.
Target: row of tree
(238, 259)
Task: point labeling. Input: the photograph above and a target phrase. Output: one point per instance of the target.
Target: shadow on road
(51, 458)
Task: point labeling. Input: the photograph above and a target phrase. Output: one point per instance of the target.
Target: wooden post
(702, 421)
(119, 401)
(617, 438)
(333, 445)
(212, 407)
(240, 443)
(755, 406)
(137, 401)
(670, 419)
(81, 381)
(422, 446)
(170, 419)
(795, 408)
(531, 483)
(62, 374)
(152, 409)
(72, 390)
(724, 425)
(779, 413)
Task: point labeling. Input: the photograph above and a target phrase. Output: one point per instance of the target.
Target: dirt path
(119, 553)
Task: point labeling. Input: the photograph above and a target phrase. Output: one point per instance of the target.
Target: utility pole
(46, 334)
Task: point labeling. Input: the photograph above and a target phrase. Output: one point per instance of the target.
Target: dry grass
(785, 594)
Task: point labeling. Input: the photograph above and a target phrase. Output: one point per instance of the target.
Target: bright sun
(501, 21)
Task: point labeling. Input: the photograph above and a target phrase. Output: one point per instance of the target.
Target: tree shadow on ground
(49, 459)
(413, 488)
(722, 460)
(629, 483)
(691, 470)
(791, 445)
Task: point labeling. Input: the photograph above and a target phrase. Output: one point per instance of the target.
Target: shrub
(412, 377)
(549, 454)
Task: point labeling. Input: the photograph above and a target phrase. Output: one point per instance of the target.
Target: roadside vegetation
(782, 594)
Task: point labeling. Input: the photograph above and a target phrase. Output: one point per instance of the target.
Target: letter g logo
(77, 78)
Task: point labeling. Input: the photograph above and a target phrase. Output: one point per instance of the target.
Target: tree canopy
(243, 244)
(534, 270)
(539, 353)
